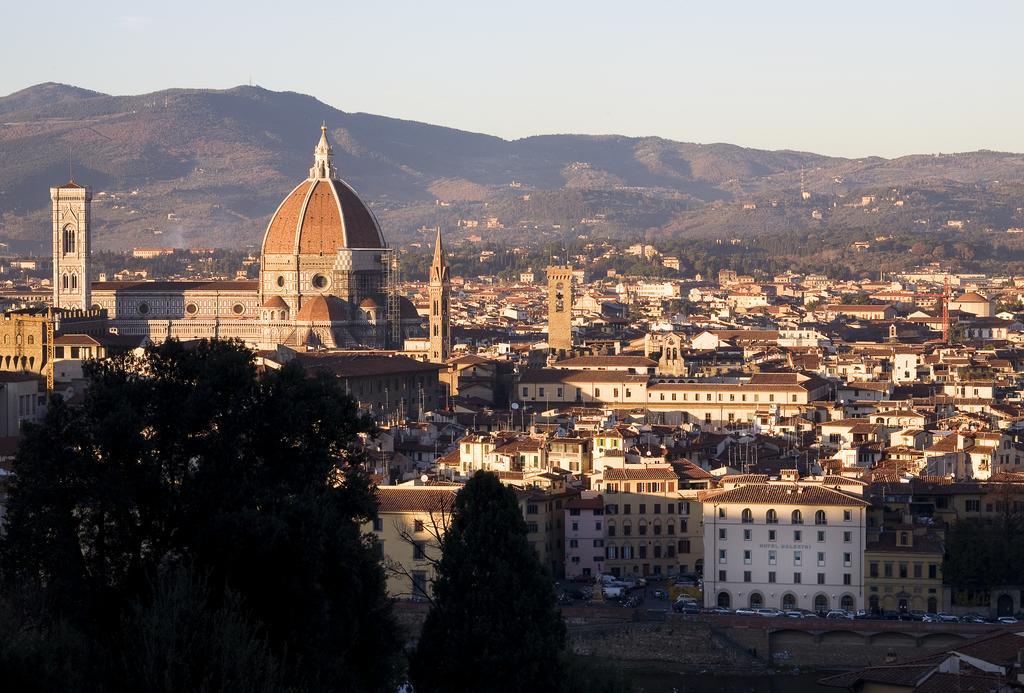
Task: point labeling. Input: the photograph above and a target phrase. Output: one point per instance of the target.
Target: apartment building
(644, 516)
(584, 535)
(410, 522)
(787, 544)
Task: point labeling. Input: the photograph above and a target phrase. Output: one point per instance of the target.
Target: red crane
(944, 296)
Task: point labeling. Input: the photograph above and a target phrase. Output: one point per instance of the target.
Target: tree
(186, 458)
(494, 624)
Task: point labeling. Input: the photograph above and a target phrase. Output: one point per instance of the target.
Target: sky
(845, 79)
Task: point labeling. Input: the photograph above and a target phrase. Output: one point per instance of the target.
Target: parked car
(769, 612)
(686, 608)
(947, 618)
(718, 610)
(930, 618)
(1006, 620)
(972, 618)
(613, 592)
(839, 613)
(799, 613)
(746, 611)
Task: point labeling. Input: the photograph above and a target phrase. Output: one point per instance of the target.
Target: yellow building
(411, 521)
(647, 523)
(903, 569)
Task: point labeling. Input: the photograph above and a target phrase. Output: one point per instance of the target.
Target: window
(847, 559)
(746, 576)
(798, 535)
(847, 537)
(721, 556)
(821, 558)
(574, 544)
(721, 533)
(972, 506)
(771, 576)
(903, 570)
(797, 557)
(847, 579)
(772, 556)
(531, 509)
(887, 569)
(771, 535)
(873, 569)
(419, 583)
(771, 517)
(847, 516)
(821, 535)
(746, 517)
(684, 546)
(797, 517)
(746, 557)
(746, 535)
(417, 525)
(419, 550)
(797, 577)
(721, 512)
(378, 524)
(643, 509)
(821, 578)
(627, 509)
(721, 576)
(933, 571)
(819, 518)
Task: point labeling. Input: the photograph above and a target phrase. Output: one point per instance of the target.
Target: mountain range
(207, 167)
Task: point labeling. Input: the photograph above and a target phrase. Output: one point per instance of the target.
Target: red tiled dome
(322, 214)
(323, 309)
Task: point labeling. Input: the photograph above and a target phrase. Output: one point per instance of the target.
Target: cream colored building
(794, 544)
(411, 521)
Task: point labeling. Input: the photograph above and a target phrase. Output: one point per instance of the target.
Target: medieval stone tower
(439, 289)
(560, 311)
(71, 205)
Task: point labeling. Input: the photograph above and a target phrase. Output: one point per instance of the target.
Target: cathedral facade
(327, 276)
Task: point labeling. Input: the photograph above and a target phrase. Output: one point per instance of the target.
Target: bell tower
(72, 207)
(560, 300)
(439, 289)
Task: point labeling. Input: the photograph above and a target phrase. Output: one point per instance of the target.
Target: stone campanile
(560, 311)
(71, 204)
(439, 289)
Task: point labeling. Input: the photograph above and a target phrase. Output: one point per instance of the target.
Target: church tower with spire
(71, 205)
(439, 289)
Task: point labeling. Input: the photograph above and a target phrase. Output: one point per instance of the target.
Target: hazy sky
(849, 79)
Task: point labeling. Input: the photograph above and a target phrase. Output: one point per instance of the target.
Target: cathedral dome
(322, 214)
(323, 309)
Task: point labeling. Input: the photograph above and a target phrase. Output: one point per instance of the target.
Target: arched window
(746, 517)
(64, 281)
(724, 600)
(69, 240)
(846, 602)
(819, 518)
(798, 517)
(74, 281)
(771, 517)
(821, 603)
(31, 339)
(873, 603)
(933, 604)
(756, 600)
(788, 601)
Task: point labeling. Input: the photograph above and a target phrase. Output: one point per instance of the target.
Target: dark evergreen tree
(493, 625)
(186, 458)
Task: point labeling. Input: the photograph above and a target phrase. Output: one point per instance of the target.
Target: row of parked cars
(863, 615)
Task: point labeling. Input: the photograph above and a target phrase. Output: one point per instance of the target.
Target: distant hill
(189, 166)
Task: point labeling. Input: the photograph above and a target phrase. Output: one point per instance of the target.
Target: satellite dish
(515, 406)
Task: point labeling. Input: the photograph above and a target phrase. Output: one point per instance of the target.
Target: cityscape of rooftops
(297, 397)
